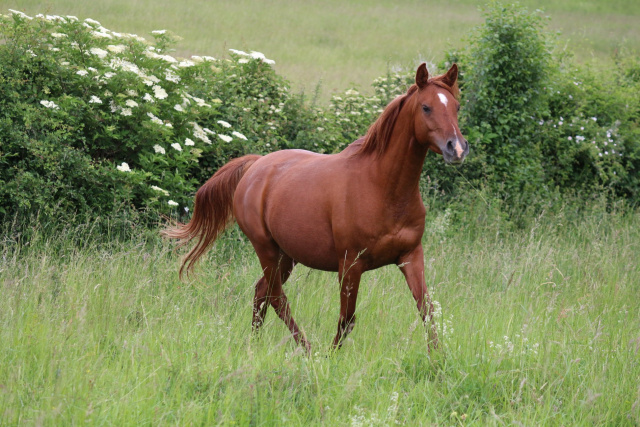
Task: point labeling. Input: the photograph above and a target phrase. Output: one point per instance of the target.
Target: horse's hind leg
(261, 299)
(277, 267)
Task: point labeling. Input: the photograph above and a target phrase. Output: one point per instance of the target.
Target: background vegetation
(345, 43)
(531, 246)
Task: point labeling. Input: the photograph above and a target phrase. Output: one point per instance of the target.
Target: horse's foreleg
(349, 275)
(412, 266)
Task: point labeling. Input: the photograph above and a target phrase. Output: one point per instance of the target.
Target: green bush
(96, 123)
(507, 65)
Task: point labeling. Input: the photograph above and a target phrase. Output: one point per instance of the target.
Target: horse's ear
(451, 76)
(422, 75)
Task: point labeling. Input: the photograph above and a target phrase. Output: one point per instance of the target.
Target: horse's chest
(387, 247)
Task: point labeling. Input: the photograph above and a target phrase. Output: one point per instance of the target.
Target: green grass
(541, 329)
(344, 44)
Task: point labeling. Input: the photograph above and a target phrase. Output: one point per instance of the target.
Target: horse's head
(436, 114)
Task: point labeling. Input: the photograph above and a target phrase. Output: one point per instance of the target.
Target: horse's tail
(212, 211)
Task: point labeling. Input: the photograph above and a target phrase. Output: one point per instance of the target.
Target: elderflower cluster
(134, 85)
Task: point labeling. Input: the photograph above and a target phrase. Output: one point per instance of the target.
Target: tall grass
(341, 43)
(537, 326)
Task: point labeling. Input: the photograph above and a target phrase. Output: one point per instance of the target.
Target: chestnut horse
(350, 212)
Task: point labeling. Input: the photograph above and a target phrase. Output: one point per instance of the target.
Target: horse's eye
(458, 107)
(426, 109)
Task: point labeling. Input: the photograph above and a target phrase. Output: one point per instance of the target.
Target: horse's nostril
(449, 146)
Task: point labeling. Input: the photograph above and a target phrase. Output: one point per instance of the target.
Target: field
(343, 44)
(538, 313)
(538, 327)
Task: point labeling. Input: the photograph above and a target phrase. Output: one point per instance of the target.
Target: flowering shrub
(96, 122)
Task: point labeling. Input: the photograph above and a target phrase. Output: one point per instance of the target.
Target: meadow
(342, 44)
(537, 311)
(537, 326)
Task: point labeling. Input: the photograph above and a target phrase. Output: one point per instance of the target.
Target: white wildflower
(95, 100)
(124, 167)
(225, 138)
(101, 34)
(100, 53)
(172, 77)
(159, 92)
(155, 119)
(238, 135)
(224, 124)
(160, 190)
(58, 35)
(239, 52)
(158, 149)
(147, 97)
(176, 146)
(260, 56)
(131, 103)
(116, 48)
(82, 72)
(172, 203)
(158, 32)
(49, 104)
(189, 142)
(243, 61)
(92, 21)
(126, 112)
(20, 14)
(178, 107)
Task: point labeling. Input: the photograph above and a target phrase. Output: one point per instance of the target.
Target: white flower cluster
(520, 347)
(123, 167)
(253, 55)
(114, 63)
(50, 104)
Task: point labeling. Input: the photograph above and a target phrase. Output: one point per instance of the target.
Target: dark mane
(379, 133)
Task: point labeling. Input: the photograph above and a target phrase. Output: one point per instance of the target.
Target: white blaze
(443, 99)
(457, 146)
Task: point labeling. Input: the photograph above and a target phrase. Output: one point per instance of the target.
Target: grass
(344, 44)
(538, 327)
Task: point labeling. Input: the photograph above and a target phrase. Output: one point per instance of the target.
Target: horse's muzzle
(455, 151)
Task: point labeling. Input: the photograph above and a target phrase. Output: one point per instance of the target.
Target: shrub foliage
(96, 122)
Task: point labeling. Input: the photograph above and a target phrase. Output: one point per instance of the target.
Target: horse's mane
(379, 134)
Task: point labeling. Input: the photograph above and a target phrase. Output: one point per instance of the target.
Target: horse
(348, 212)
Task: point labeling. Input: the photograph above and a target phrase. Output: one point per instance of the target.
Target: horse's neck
(400, 166)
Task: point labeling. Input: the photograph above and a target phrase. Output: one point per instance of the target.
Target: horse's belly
(307, 242)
